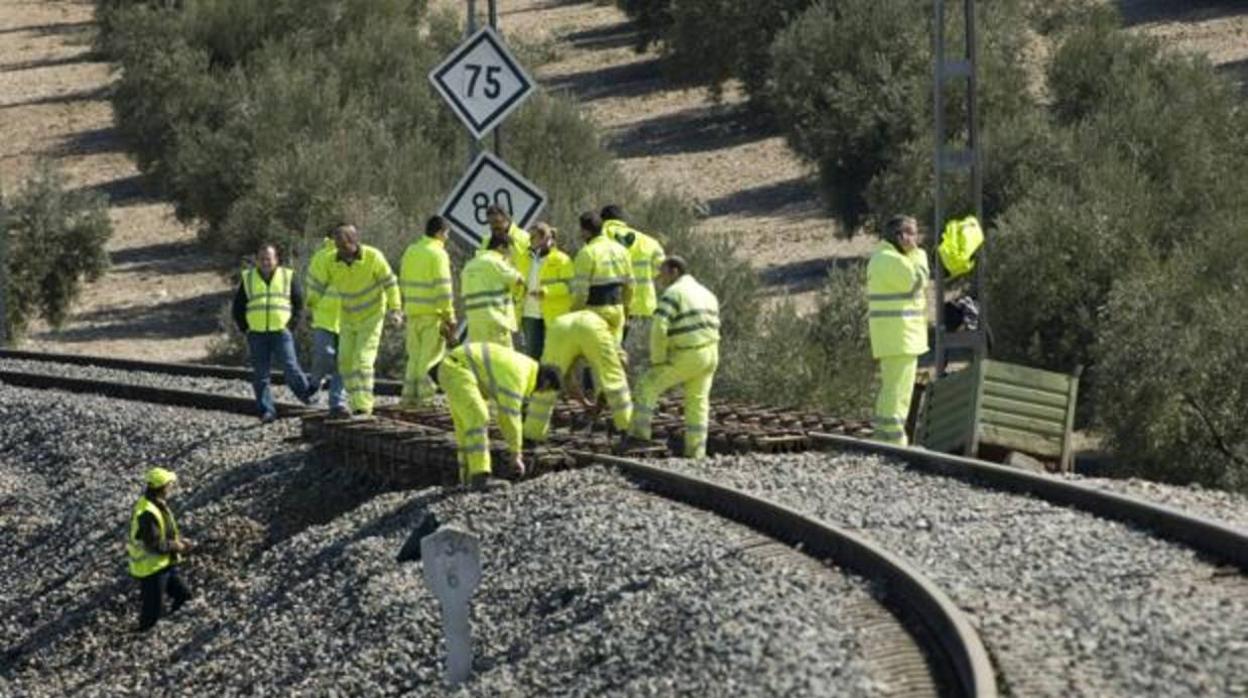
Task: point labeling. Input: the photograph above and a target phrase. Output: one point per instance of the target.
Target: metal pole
(471, 28)
(498, 130)
(978, 287)
(938, 102)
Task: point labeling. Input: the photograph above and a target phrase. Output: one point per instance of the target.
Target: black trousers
(153, 588)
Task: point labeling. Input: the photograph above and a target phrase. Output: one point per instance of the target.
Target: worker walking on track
(582, 333)
(266, 306)
(490, 285)
(155, 548)
(325, 328)
(476, 374)
(604, 276)
(684, 351)
(425, 281)
(897, 275)
(361, 279)
(645, 254)
(548, 273)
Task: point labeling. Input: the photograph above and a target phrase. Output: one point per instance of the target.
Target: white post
(451, 561)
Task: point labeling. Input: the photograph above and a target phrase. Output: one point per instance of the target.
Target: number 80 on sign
(490, 182)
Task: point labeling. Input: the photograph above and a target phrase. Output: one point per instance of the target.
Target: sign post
(451, 563)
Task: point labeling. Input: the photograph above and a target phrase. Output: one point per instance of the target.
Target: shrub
(55, 240)
(652, 18)
(713, 41)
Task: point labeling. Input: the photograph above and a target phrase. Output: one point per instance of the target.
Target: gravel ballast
(1067, 603)
(590, 586)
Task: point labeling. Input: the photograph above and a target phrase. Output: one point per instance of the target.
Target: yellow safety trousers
(694, 369)
(471, 416)
(425, 348)
(615, 317)
(603, 356)
(357, 355)
(892, 405)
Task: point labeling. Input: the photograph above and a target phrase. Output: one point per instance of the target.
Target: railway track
(416, 448)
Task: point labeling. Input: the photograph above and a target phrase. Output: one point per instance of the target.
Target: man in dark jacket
(155, 548)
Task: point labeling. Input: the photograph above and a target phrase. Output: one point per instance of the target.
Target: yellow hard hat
(159, 477)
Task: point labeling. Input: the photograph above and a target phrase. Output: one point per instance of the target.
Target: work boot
(339, 413)
(268, 418)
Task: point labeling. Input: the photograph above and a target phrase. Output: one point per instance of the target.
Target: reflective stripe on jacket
(268, 302)
(488, 284)
(325, 313)
(504, 376)
(897, 301)
(556, 277)
(600, 263)
(687, 318)
(425, 279)
(145, 562)
(645, 255)
(366, 287)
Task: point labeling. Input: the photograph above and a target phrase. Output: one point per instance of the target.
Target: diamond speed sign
(490, 182)
(482, 82)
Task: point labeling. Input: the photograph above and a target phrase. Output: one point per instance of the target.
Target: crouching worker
(155, 548)
(475, 374)
(684, 351)
(569, 337)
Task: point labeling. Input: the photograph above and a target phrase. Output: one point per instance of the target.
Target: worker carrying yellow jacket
(428, 306)
(645, 254)
(684, 351)
(604, 275)
(476, 374)
(897, 275)
(960, 242)
(576, 335)
(490, 285)
(367, 289)
(548, 273)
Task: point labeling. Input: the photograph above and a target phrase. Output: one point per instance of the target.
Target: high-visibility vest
(645, 255)
(268, 302)
(520, 244)
(487, 284)
(366, 287)
(897, 301)
(144, 562)
(600, 263)
(326, 310)
(556, 277)
(425, 279)
(687, 318)
(961, 239)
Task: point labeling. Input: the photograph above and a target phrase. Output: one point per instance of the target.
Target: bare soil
(161, 298)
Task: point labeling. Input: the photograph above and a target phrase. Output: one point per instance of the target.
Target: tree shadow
(609, 36)
(93, 94)
(693, 130)
(804, 275)
(627, 80)
(123, 191)
(180, 257)
(1237, 72)
(766, 198)
(177, 319)
(95, 141)
(50, 29)
(1135, 12)
(84, 57)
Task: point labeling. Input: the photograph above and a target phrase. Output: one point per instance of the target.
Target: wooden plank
(1013, 421)
(1049, 413)
(1027, 377)
(1024, 441)
(1013, 392)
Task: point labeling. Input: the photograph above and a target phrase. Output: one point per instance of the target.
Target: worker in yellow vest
(684, 351)
(501, 225)
(325, 326)
(266, 307)
(576, 335)
(476, 374)
(897, 275)
(361, 279)
(604, 276)
(548, 273)
(425, 281)
(490, 285)
(154, 548)
(645, 255)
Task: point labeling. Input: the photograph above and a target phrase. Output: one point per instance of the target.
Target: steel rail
(958, 641)
(1206, 535)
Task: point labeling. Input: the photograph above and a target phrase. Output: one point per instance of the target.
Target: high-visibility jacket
(687, 318)
(520, 244)
(488, 284)
(425, 279)
(897, 301)
(581, 333)
(366, 287)
(961, 239)
(645, 254)
(325, 311)
(556, 277)
(268, 302)
(145, 562)
(504, 376)
(602, 263)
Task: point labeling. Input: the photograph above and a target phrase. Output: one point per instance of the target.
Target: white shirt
(532, 305)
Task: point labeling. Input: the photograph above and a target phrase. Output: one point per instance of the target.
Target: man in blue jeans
(325, 326)
(266, 306)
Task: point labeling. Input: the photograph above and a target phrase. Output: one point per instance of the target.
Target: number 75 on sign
(482, 82)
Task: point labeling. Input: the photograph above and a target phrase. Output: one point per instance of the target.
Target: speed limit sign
(482, 82)
(490, 182)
